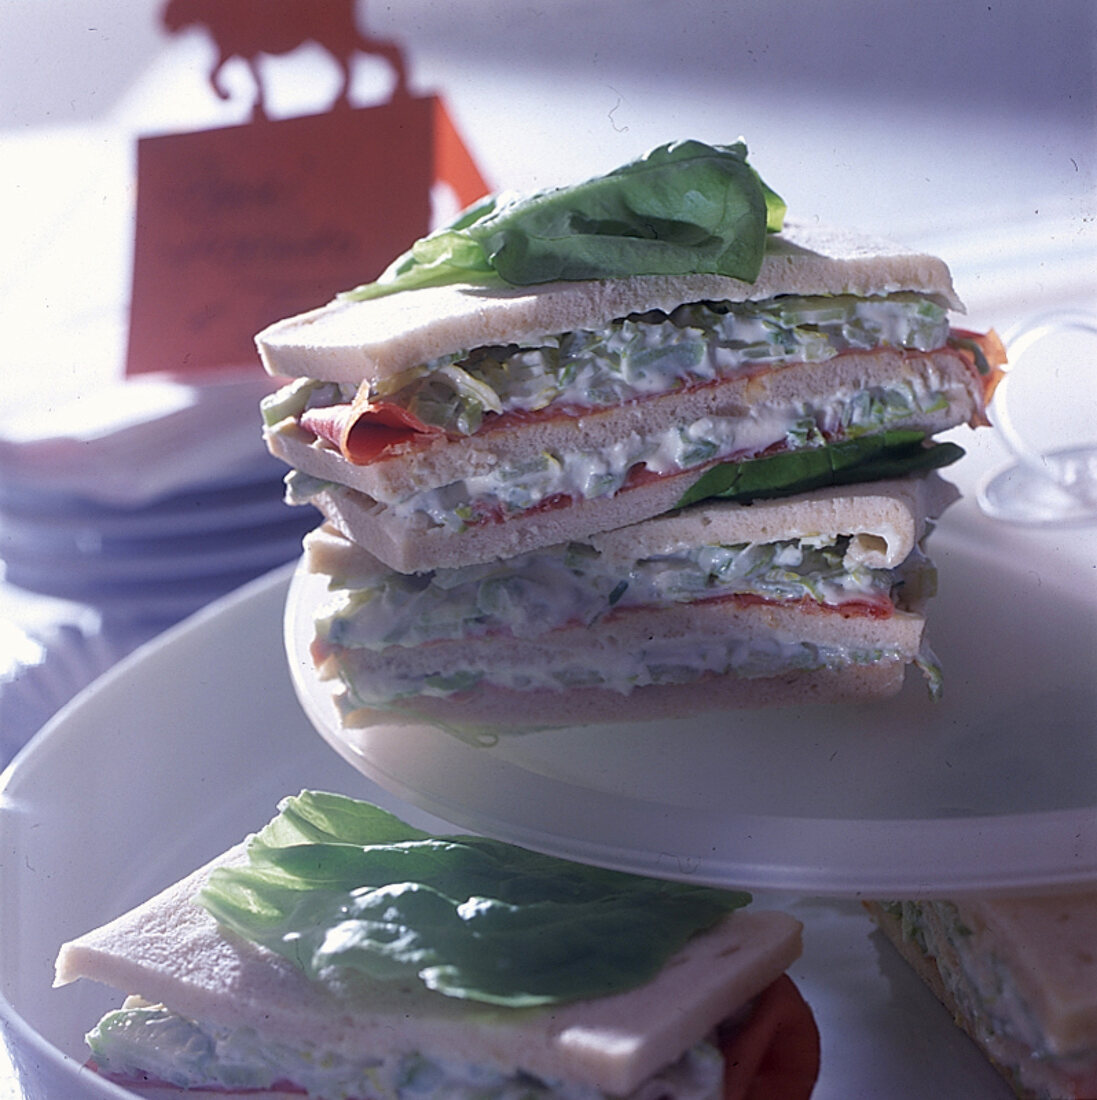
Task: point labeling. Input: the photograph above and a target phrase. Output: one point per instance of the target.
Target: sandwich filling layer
(373, 681)
(575, 374)
(632, 358)
(552, 477)
(373, 607)
(141, 1041)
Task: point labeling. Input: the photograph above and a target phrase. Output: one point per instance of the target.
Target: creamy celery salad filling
(148, 1039)
(513, 488)
(373, 607)
(681, 660)
(637, 357)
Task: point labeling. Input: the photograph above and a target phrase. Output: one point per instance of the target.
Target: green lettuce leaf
(336, 883)
(684, 207)
(865, 458)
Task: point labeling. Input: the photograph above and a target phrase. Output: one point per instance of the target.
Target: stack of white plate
(121, 513)
(154, 562)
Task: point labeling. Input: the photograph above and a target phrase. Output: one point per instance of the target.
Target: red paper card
(242, 226)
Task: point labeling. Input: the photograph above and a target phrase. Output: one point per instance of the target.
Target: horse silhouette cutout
(248, 28)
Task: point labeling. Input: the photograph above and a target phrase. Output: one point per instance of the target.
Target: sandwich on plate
(554, 366)
(339, 954)
(1018, 974)
(814, 597)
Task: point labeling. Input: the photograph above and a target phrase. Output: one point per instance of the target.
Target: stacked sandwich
(639, 446)
(343, 955)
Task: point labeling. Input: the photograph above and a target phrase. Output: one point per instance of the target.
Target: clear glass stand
(1054, 480)
(1048, 483)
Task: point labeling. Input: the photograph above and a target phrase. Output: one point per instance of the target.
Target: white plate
(993, 788)
(187, 746)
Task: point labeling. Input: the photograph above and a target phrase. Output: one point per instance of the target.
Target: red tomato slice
(774, 1055)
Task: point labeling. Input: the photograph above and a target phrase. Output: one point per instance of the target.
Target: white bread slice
(171, 951)
(348, 341)
(886, 520)
(1020, 980)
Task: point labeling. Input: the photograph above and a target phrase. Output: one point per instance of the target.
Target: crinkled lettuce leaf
(333, 882)
(684, 207)
(874, 457)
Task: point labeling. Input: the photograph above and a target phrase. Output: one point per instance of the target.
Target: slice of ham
(364, 432)
(994, 351)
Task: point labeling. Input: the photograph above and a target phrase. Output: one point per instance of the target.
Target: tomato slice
(774, 1054)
